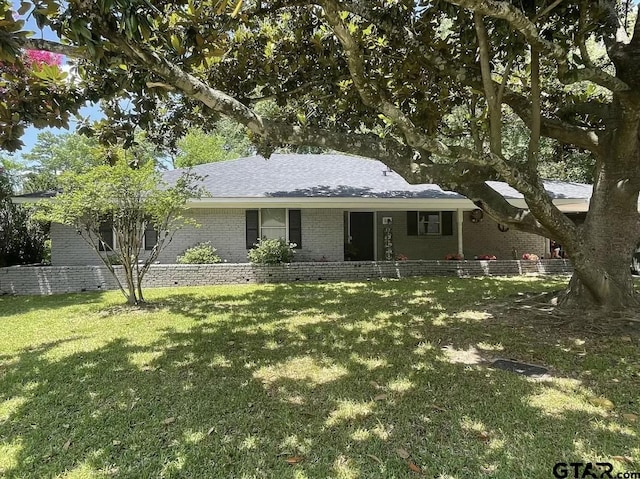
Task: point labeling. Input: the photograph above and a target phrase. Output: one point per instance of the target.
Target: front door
(361, 229)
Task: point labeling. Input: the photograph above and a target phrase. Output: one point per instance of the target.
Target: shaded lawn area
(342, 380)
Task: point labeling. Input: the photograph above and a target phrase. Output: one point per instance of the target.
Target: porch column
(459, 219)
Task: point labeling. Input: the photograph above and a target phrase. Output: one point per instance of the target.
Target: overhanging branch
(519, 22)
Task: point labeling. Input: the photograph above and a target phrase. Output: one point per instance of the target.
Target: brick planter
(22, 280)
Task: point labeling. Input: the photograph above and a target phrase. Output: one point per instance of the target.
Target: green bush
(202, 253)
(272, 251)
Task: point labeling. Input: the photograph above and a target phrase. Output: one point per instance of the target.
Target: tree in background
(388, 80)
(128, 203)
(22, 240)
(54, 154)
(226, 141)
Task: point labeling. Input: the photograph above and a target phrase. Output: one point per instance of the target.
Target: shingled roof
(333, 176)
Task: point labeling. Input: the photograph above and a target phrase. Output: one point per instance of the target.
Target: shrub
(114, 260)
(272, 251)
(530, 257)
(202, 253)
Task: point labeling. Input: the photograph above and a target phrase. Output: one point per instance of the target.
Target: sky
(92, 110)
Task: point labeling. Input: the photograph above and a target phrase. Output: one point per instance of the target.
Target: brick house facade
(346, 208)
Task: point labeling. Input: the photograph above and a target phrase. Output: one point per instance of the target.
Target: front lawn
(382, 379)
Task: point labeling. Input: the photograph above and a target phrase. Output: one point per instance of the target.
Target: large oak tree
(430, 88)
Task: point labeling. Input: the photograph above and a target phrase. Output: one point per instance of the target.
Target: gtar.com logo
(582, 470)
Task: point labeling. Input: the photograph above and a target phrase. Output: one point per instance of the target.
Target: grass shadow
(341, 379)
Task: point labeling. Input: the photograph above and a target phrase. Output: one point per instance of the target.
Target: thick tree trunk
(602, 253)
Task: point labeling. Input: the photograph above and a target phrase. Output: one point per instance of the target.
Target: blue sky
(91, 111)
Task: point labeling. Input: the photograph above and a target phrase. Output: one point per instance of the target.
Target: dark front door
(361, 232)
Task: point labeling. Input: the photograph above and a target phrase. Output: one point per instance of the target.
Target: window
(270, 223)
(429, 223)
(273, 223)
(150, 237)
(106, 241)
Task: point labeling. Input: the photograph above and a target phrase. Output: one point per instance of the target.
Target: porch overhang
(378, 204)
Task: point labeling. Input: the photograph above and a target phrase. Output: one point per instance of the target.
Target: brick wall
(322, 236)
(484, 238)
(415, 247)
(65, 279)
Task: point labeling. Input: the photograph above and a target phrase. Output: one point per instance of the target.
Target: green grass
(231, 382)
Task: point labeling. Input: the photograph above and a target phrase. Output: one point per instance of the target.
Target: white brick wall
(67, 279)
(484, 238)
(322, 238)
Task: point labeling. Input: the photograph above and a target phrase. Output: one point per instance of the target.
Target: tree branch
(583, 137)
(534, 140)
(489, 200)
(367, 90)
(51, 46)
(506, 11)
(586, 138)
(495, 108)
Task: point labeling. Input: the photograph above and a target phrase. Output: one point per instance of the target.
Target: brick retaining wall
(66, 279)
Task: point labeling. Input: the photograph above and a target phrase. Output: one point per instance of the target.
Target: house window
(150, 237)
(106, 240)
(429, 223)
(273, 223)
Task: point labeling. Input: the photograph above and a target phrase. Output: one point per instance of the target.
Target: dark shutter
(150, 237)
(252, 228)
(295, 228)
(412, 223)
(447, 223)
(105, 242)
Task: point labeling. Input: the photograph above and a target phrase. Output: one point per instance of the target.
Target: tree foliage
(226, 141)
(132, 201)
(431, 88)
(22, 240)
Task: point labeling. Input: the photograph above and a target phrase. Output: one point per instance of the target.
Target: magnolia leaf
(66, 445)
(602, 402)
(237, 9)
(169, 420)
(626, 459)
(293, 459)
(24, 8)
(630, 417)
(414, 467)
(403, 453)
(221, 7)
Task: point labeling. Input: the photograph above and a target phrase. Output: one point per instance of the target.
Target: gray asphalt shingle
(332, 175)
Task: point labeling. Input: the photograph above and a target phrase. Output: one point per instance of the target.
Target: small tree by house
(113, 207)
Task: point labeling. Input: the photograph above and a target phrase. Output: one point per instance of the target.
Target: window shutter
(295, 228)
(150, 237)
(252, 227)
(412, 223)
(447, 223)
(106, 233)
